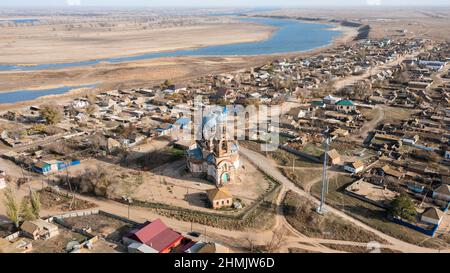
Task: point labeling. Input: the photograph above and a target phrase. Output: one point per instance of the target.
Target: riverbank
(287, 36)
(41, 44)
(143, 73)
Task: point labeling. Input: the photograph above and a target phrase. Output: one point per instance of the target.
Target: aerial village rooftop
(384, 104)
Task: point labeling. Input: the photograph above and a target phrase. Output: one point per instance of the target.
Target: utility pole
(321, 208)
(70, 188)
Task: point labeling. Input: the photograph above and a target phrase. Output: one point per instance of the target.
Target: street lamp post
(129, 202)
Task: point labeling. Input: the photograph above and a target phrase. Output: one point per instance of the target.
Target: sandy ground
(170, 184)
(40, 44)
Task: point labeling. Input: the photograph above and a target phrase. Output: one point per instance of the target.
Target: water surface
(24, 95)
(290, 36)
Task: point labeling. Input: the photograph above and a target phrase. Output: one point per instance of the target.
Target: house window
(223, 203)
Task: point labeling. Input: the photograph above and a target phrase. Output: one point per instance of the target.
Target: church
(216, 158)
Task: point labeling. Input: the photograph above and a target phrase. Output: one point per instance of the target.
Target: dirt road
(270, 169)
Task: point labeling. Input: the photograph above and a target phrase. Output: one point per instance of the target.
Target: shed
(354, 167)
(432, 216)
(219, 198)
(334, 158)
(442, 192)
(39, 229)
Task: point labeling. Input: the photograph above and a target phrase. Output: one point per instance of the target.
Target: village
(382, 105)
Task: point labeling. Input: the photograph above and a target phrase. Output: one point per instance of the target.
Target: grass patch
(393, 114)
(357, 249)
(312, 149)
(281, 157)
(155, 159)
(300, 213)
(301, 176)
(177, 152)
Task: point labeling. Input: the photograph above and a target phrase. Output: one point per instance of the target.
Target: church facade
(217, 160)
(214, 157)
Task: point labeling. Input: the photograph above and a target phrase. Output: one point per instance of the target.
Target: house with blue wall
(52, 166)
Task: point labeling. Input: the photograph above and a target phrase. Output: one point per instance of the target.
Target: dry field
(173, 185)
(51, 40)
(301, 215)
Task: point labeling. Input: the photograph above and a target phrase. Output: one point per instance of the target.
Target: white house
(432, 216)
(354, 167)
(442, 193)
(80, 103)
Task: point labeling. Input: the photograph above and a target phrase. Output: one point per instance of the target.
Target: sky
(223, 3)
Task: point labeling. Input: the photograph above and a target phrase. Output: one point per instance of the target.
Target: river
(289, 36)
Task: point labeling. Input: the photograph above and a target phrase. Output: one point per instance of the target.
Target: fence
(301, 154)
(13, 236)
(430, 232)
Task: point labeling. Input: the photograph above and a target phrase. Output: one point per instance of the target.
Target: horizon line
(219, 6)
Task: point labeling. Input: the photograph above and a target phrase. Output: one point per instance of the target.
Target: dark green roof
(317, 103)
(345, 103)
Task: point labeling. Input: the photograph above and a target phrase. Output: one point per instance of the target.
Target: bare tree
(250, 243)
(277, 241)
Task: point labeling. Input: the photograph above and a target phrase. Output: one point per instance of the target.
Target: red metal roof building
(155, 235)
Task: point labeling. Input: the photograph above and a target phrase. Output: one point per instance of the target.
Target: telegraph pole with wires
(321, 208)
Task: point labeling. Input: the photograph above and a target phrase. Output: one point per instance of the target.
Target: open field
(49, 43)
(171, 184)
(390, 114)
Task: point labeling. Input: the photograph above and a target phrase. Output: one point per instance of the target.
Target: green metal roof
(317, 103)
(345, 103)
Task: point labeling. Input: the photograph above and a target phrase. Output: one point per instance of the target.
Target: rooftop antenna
(321, 208)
